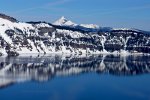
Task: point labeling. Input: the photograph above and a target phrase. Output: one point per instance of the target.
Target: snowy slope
(40, 37)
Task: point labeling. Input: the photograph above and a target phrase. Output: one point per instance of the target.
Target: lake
(75, 77)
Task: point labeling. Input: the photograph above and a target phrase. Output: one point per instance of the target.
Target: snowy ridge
(93, 26)
(42, 38)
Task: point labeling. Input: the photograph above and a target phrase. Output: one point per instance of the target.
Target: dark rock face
(8, 18)
(129, 40)
(114, 40)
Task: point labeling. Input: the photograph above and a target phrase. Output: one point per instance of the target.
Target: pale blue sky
(113, 13)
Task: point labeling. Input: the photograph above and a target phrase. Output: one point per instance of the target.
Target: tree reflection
(21, 69)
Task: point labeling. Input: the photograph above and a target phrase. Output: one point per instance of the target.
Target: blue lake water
(90, 77)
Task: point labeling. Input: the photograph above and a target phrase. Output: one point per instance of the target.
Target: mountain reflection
(21, 69)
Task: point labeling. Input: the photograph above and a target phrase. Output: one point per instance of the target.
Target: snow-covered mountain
(41, 37)
(64, 22)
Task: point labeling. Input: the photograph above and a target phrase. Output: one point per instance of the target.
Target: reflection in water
(20, 69)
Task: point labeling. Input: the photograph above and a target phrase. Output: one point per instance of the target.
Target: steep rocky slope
(41, 37)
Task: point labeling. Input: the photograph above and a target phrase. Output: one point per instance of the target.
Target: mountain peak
(64, 22)
(63, 18)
